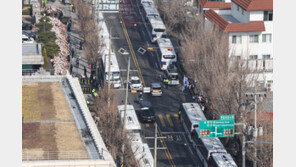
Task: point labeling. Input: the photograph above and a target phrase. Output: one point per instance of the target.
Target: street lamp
(44, 20)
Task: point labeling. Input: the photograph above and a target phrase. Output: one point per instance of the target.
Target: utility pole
(109, 62)
(155, 146)
(125, 104)
(255, 124)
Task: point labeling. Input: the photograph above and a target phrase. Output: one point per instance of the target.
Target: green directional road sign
(216, 128)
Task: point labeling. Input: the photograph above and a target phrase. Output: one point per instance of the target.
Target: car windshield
(156, 88)
(174, 76)
(136, 81)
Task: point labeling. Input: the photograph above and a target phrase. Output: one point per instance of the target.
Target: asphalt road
(166, 107)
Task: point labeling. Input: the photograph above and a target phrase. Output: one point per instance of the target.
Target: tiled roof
(225, 26)
(255, 5)
(214, 4)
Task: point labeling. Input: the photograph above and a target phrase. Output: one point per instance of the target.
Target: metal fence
(37, 72)
(53, 155)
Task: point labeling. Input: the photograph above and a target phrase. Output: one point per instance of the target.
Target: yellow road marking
(161, 119)
(167, 152)
(147, 125)
(169, 120)
(132, 50)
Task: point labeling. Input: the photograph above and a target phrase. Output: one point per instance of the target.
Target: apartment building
(249, 26)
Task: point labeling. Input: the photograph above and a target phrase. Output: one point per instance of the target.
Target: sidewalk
(77, 69)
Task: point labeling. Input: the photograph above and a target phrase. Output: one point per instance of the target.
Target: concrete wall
(68, 163)
(256, 15)
(243, 18)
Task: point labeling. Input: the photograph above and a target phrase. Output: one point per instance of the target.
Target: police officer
(179, 114)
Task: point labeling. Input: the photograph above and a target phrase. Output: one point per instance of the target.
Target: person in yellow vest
(87, 102)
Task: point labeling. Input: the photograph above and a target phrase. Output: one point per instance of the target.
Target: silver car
(156, 89)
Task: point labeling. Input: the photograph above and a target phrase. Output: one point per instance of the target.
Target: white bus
(191, 114)
(149, 10)
(114, 70)
(132, 124)
(141, 151)
(167, 53)
(212, 152)
(156, 28)
(209, 150)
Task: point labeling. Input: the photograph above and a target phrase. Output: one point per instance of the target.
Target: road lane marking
(167, 152)
(161, 119)
(169, 120)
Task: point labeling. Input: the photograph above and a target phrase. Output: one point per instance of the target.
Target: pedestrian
(72, 52)
(84, 71)
(80, 45)
(68, 39)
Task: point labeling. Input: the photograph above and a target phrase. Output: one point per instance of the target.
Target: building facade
(249, 24)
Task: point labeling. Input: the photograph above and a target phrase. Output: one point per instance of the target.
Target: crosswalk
(166, 120)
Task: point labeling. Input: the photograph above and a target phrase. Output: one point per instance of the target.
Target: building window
(236, 39)
(265, 56)
(266, 38)
(253, 57)
(254, 38)
(268, 15)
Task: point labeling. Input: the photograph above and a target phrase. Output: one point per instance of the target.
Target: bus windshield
(169, 56)
(159, 30)
(173, 76)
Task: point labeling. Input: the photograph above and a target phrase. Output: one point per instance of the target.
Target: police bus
(114, 69)
(132, 124)
(167, 52)
(191, 114)
(154, 23)
(210, 150)
(141, 151)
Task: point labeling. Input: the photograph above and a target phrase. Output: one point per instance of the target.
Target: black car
(147, 115)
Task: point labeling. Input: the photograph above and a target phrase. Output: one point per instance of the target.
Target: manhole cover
(141, 50)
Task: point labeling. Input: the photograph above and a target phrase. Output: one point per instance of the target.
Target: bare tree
(110, 127)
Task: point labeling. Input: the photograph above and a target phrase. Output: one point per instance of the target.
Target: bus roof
(114, 63)
(156, 22)
(165, 43)
(141, 150)
(194, 112)
(165, 51)
(132, 123)
(213, 145)
(150, 10)
(147, 1)
(224, 160)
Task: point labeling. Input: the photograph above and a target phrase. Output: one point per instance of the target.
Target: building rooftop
(228, 23)
(31, 54)
(255, 5)
(214, 4)
(57, 124)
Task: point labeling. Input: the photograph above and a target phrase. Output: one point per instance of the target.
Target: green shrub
(48, 26)
(44, 54)
(64, 20)
(46, 37)
(26, 12)
(52, 49)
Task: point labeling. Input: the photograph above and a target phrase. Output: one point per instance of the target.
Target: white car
(135, 83)
(26, 39)
(156, 89)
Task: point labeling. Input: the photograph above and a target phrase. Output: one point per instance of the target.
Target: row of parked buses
(158, 34)
(115, 79)
(210, 150)
(140, 149)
